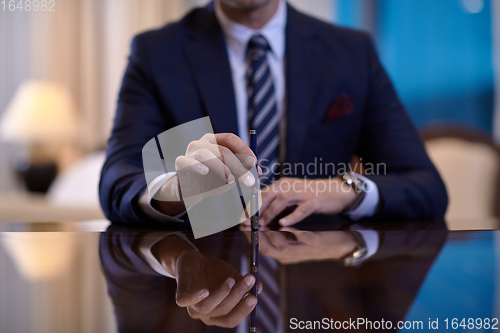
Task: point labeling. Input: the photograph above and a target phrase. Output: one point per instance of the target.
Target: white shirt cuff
(155, 185)
(147, 244)
(371, 239)
(368, 206)
(145, 200)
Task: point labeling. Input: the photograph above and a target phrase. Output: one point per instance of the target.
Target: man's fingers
(307, 237)
(184, 299)
(234, 163)
(236, 155)
(183, 162)
(238, 163)
(301, 212)
(265, 246)
(214, 164)
(277, 206)
(230, 149)
(288, 229)
(278, 239)
(237, 293)
(238, 147)
(236, 316)
(216, 297)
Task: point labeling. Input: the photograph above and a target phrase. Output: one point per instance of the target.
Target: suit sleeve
(408, 183)
(143, 300)
(138, 119)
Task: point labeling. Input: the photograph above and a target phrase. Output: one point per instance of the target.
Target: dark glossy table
(91, 277)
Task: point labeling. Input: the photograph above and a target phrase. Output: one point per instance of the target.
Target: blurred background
(61, 71)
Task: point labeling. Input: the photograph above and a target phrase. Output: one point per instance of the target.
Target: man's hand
(290, 246)
(212, 161)
(210, 288)
(322, 196)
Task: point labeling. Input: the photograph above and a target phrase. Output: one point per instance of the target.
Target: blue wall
(438, 56)
(350, 13)
(459, 283)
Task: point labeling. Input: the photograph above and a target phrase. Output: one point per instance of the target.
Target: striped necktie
(268, 308)
(263, 113)
(264, 118)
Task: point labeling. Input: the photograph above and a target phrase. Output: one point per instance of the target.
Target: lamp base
(38, 176)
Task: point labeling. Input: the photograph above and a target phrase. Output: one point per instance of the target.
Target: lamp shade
(40, 112)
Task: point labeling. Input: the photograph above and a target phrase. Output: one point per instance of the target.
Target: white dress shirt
(237, 37)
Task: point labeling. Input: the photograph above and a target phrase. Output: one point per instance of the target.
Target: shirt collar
(238, 35)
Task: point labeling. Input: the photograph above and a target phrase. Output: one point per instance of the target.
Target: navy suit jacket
(181, 73)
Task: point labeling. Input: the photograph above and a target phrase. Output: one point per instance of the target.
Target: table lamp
(41, 116)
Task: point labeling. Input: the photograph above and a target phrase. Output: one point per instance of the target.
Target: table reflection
(303, 275)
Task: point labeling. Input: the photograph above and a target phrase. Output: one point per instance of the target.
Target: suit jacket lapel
(301, 79)
(206, 53)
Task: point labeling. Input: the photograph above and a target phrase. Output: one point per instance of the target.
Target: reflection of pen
(254, 213)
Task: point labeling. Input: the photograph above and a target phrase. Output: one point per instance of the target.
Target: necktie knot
(258, 45)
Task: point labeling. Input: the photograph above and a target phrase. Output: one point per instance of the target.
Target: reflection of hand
(209, 163)
(322, 196)
(305, 245)
(210, 288)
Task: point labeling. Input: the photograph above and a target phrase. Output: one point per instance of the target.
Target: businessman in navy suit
(314, 91)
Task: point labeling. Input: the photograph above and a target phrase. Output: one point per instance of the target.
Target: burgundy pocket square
(341, 107)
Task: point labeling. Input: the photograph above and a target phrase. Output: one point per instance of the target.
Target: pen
(254, 223)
